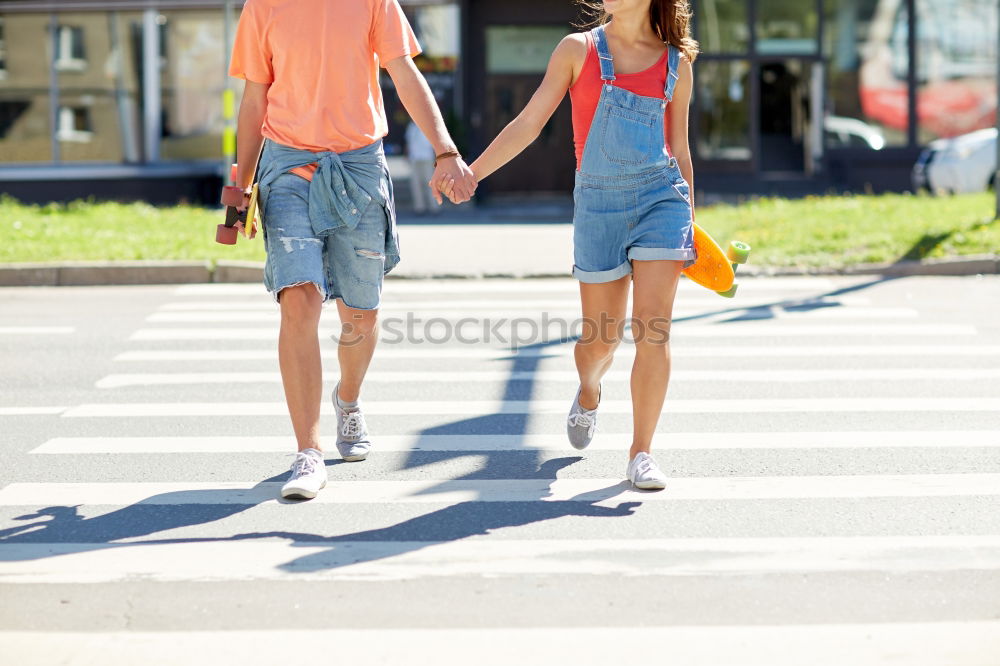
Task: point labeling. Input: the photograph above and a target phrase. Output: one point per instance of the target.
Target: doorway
(786, 144)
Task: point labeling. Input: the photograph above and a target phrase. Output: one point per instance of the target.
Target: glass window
(97, 58)
(721, 26)
(956, 67)
(74, 124)
(70, 53)
(25, 133)
(520, 49)
(192, 79)
(787, 27)
(723, 108)
(3, 53)
(438, 31)
(868, 63)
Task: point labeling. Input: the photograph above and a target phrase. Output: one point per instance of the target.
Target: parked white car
(844, 132)
(966, 163)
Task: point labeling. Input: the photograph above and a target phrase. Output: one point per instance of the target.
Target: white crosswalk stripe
(36, 330)
(348, 561)
(626, 351)
(476, 443)
(432, 332)
(859, 411)
(596, 491)
(759, 376)
(858, 644)
(569, 301)
(438, 287)
(539, 407)
(454, 315)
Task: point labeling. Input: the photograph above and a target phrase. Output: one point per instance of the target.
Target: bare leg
(300, 362)
(652, 310)
(359, 334)
(604, 308)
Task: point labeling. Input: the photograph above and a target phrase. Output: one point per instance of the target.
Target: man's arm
(253, 106)
(416, 96)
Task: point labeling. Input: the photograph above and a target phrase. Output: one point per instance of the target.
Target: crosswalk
(833, 448)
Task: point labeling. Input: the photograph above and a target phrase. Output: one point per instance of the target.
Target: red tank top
(585, 93)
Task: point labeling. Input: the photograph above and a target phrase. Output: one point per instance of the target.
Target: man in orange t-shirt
(312, 100)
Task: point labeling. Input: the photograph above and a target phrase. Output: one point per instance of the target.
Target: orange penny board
(712, 269)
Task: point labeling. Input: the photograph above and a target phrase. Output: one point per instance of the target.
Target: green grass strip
(829, 231)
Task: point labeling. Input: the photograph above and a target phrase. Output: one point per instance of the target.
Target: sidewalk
(520, 238)
(485, 250)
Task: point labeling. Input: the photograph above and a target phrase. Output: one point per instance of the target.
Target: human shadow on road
(159, 513)
(169, 511)
(452, 523)
(765, 311)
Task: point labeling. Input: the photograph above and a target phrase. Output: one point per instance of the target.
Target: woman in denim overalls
(633, 216)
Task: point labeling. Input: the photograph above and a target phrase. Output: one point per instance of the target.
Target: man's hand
(454, 179)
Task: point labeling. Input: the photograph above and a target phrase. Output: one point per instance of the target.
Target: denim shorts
(646, 216)
(348, 264)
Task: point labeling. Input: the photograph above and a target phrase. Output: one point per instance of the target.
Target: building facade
(127, 98)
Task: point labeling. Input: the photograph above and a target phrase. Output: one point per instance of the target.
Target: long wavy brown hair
(670, 20)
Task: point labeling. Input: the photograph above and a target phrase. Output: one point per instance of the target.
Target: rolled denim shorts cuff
(354, 307)
(598, 277)
(278, 289)
(660, 253)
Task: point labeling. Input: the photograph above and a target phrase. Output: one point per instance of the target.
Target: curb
(965, 266)
(90, 273)
(83, 273)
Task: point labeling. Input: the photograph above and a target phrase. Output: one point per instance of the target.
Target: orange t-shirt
(322, 60)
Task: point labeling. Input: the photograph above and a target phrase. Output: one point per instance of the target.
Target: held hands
(454, 179)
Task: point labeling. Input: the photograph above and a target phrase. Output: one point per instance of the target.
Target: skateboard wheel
(729, 293)
(738, 252)
(232, 196)
(225, 235)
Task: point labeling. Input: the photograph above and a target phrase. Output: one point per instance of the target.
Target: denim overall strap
(673, 62)
(603, 54)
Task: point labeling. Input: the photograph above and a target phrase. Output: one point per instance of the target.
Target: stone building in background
(125, 98)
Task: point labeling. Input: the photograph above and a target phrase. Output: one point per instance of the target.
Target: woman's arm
(564, 67)
(678, 109)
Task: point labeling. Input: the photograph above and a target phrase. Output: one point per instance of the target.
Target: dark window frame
(755, 58)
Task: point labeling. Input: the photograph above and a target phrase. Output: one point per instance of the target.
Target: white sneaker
(308, 476)
(644, 474)
(352, 431)
(581, 423)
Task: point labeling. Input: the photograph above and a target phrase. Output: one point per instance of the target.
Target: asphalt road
(833, 448)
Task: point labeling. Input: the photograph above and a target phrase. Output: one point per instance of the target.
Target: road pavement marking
(437, 332)
(30, 411)
(603, 492)
(678, 350)
(311, 558)
(123, 380)
(666, 441)
(453, 316)
(541, 407)
(972, 643)
(709, 301)
(36, 330)
(435, 287)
